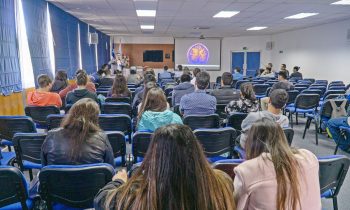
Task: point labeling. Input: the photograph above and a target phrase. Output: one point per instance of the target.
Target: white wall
(143, 40)
(322, 52)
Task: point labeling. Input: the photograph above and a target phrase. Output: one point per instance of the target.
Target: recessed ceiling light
(301, 16)
(256, 28)
(226, 14)
(147, 27)
(146, 13)
(342, 2)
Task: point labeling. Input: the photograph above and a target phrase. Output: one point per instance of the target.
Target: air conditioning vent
(93, 38)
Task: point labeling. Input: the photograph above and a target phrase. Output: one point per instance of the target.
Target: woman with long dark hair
(61, 81)
(119, 88)
(276, 176)
(154, 111)
(246, 103)
(79, 140)
(175, 175)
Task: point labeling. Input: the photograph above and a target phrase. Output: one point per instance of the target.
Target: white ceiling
(178, 18)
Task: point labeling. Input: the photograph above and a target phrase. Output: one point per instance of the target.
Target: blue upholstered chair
(117, 141)
(140, 144)
(227, 166)
(202, 121)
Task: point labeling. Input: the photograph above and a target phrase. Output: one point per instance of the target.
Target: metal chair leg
(296, 118)
(291, 119)
(335, 203)
(307, 125)
(30, 174)
(316, 131)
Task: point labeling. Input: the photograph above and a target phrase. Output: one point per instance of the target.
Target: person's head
(61, 75)
(247, 91)
(133, 70)
(266, 136)
(175, 175)
(80, 123)
(283, 66)
(278, 99)
(100, 72)
(202, 80)
(149, 71)
(296, 68)
(44, 82)
(270, 65)
(179, 67)
(119, 85)
(282, 75)
(107, 72)
(196, 71)
(237, 69)
(268, 69)
(154, 100)
(226, 78)
(105, 66)
(82, 79)
(185, 78)
(166, 68)
(79, 71)
(149, 82)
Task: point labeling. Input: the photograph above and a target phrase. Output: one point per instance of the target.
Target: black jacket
(58, 85)
(56, 149)
(78, 94)
(225, 94)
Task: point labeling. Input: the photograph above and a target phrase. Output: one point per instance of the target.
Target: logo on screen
(198, 54)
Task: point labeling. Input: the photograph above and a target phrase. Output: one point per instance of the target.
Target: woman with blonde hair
(175, 175)
(276, 176)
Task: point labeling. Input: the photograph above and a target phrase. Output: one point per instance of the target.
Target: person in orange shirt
(43, 96)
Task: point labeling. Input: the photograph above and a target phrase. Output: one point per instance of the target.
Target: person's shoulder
(307, 155)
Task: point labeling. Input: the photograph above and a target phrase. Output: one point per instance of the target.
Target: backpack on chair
(338, 111)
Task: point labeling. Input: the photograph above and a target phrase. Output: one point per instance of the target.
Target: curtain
(10, 75)
(87, 50)
(103, 48)
(35, 14)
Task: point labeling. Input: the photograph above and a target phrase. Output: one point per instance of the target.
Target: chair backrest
(289, 132)
(9, 125)
(332, 172)
(140, 143)
(74, 186)
(28, 147)
(321, 82)
(216, 141)
(117, 141)
(220, 110)
(202, 121)
(54, 121)
(115, 122)
(333, 96)
(300, 88)
(168, 91)
(13, 187)
(240, 82)
(116, 108)
(228, 166)
(337, 88)
(328, 92)
(312, 91)
(39, 113)
(312, 80)
(326, 108)
(235, 120)
(307, 101)
(301, 85)
(321, 88)
(104, 93)
(260, 89)
(177, 110)
(292, 95)
(118, 100)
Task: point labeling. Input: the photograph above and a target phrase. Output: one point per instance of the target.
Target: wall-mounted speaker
(93, 38)
(269, 45)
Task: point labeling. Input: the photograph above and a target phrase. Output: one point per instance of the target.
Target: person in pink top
(89, 86)
(276, 176)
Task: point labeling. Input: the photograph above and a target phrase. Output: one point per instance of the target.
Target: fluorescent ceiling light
(146, 0)
(342, 2)
(301, 16)
(147, 27)
(146, 13)
(256, 28)
(225, 14)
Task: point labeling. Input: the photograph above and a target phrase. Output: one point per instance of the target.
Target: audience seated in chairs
(225, 94)
(182, 89)
(60, 82)
(282, 83)
(165, 74)
(237, 74)
(174, 175)
(333, 126)
(199, 102)
(119, 88)
(277, 100)
(108, 79)
(195, 72)
(89, 86)
(296, 74)
(284, 69)
(276, 176)
(149, 81)
(81, 91)
(42, 96)
(246, 103)
(155, 112)
(267, 73)
(178, 72)
(79, 140)
(96, 76)
(133, 77)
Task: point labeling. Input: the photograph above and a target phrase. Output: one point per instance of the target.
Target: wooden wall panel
(135, 53)
(13, 104)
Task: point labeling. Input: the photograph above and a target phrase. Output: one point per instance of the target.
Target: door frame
(244, 60)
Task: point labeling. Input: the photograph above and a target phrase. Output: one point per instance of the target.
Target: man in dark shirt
(296, 74)
(226, 93)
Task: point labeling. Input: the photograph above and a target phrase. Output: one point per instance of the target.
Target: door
(253, 63)
(237, 60)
